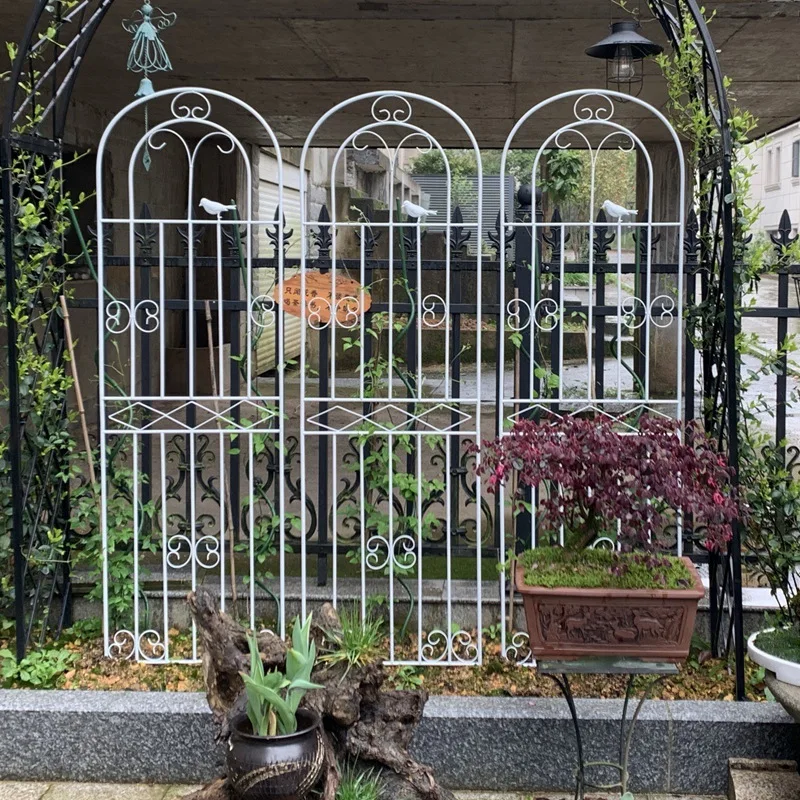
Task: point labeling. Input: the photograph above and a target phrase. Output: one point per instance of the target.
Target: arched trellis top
(673, 23)
(190, 114)
(58, 78)
(586, 115)
(594, 129)
(199, 114)
(383, 117)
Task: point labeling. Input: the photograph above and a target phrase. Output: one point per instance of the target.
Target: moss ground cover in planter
(777, 650)
(600, 569)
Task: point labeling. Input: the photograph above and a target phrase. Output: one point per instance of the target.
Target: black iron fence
(46, 592)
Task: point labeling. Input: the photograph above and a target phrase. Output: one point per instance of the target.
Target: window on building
(776, 178)
(796, 158)
(768, 166)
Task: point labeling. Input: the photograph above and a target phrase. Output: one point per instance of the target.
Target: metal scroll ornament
(148, 54)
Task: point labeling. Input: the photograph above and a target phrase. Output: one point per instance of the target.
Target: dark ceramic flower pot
(275, 767)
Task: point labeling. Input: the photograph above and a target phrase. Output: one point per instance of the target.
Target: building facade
(775, 185)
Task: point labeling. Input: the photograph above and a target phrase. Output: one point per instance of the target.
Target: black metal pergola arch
(44, 74)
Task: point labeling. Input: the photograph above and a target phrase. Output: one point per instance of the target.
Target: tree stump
(364, 723)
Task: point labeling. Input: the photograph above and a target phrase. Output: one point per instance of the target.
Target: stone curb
(496, 744)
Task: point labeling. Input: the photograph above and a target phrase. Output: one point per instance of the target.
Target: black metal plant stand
(559, 672)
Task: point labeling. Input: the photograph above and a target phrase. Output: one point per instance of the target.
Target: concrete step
(569, 796)
(759, 779)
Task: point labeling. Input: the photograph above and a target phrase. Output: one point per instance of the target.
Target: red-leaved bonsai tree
(597, 481)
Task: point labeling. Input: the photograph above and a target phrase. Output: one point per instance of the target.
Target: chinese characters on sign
(348, 299)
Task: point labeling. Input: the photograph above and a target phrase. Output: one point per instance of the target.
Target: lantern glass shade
(624, 51)
(623, 67)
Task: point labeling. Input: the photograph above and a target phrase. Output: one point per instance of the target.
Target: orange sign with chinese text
(349, 300)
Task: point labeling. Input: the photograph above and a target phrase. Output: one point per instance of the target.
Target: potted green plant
(599, 485)
(275, 751)
(772, 542)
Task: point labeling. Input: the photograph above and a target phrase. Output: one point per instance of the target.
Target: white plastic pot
(786, 671)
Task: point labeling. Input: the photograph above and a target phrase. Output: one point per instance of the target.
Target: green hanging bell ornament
(148, 53)
(145, 88)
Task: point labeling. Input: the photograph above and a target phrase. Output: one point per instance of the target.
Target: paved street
(90, 791)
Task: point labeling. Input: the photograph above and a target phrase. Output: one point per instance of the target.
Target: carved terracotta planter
(654, 624)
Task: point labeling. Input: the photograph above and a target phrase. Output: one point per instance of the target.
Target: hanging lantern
(624, 51)
(148, 54)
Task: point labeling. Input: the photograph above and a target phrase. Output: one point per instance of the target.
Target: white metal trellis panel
(349, 416)
(189, 438)
(353, 411)
(541, 312)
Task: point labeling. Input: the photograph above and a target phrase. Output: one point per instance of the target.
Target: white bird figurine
(618, 212)
(214, 208)
(413, 210)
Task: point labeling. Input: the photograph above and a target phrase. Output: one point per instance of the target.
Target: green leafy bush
(87, 553)
(40, 669)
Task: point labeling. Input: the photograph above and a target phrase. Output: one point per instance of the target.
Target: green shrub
(40, 669)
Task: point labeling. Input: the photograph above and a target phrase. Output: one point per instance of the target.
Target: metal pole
(13, 397)
(523, 288)
(732, 380)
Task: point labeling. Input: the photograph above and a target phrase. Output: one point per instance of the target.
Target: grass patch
(358, 643)
(782, 642)
(359, 785)
(554, 567)
(576, 279)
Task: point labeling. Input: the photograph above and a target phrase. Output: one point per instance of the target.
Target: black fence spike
(322, 236)
(198, 233)
(495, 238)
(370, 235)
(458, 236)
(234, 239)
(640, 237)
(691, 238)
(552, 237)
(278, 234)
(108, 239)
(783, 239)
(603, 239)
(145, 233)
